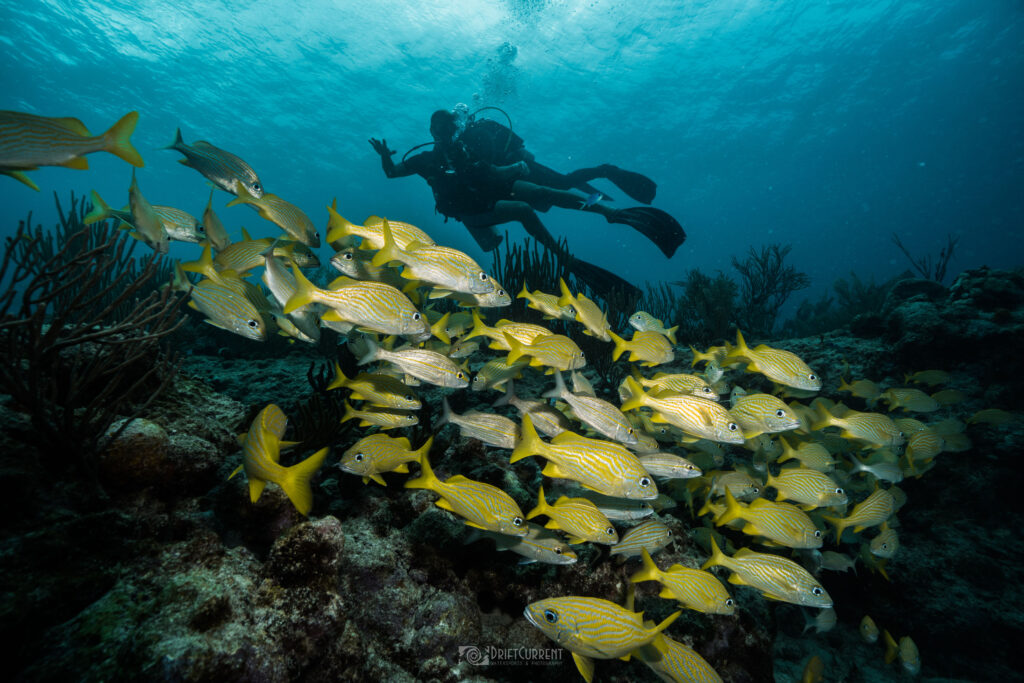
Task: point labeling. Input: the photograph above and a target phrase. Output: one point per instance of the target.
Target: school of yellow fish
(834, 469)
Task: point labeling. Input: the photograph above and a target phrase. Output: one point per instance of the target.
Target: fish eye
(253, 324)
(501, 292)
(550, 616)
(780, 413)
(839, 491)
(583, 354)
(558, 551)
(729, 602)
(755, 489)
(200, 228)
(644, 506)
(416, 316)
(610, 531)
(256, 187)
(460, 375)
(348, 257)
(817, 533)
(733, 426)
(410, 418)
(358, 457)
(817, 591)
(517, 521)
(630, 431)
(644, 482)
(409, 397)
(885, 546)
(688, 466)
(483, 277)
(706, 390)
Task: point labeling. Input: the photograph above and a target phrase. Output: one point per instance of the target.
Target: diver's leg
(638, 186)
(543, 198)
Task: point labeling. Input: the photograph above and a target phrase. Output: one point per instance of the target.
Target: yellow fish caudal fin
(118, 139)
(296, 481)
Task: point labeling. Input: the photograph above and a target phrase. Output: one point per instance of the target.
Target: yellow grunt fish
(524, 333)
(260, 461)
(546, 419)
(871, 429)
(913, 400)
(578, 517)
(647, 347)
(222, 168)
(281, 213)
(695, 589)
(379, 453)
(763, 413)
(436, 265)
(538, 545)
(373, 306)
(679, 384)
(546, 304)
(28, 141)
(600, 466)
(379, 390)
(643, 321)
(868, 630)
(669, 466)
(929, 377)
(422, 364)
(862, 388)
(872, 511)
(496, 372)
(651, 535)
(180, 225)
(695, 416)
(886, 543)
(778, 365)
(494, 430)
(340, 231)
(555, 351)
(776, 577)
(385, 418)
(810, 454)
(148, 227)
(782, 523)
(214, 228)
(596, 413)
(481, 505)
(586, 312)
(592, 628)
(678, 663)
(810, 488)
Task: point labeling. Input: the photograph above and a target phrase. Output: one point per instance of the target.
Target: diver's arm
(391, 169)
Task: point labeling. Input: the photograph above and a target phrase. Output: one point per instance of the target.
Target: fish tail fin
(659, 640)
(427, 479)
(479, 328)
(636, 395)
(620, 345)
(178, 143)
(891, 648)
(732, 509)
(516, 349)
(118, 141)
(559, 389)
(649, 572)
(446, 414)
(390, 251)
(824, 417)
(371, 352)
(338, 227)
(100, 210)
(297, 478)
(737, 353)
(718, 558)
(844, 385)
(567, 299)
(839, 523)
(525, 293)
(541, 508)
(350, 413)
(340, 380)
(508, 396)
(179, 281)
(529, 443)
(697, 357)
(305, 291)
(421, 453)
(671, 334)
(439, 329)
(204, 265)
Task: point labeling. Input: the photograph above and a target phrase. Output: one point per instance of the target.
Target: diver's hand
(381, 147)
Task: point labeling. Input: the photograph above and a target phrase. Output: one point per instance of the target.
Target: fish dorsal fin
(458, 479)
(567, 437)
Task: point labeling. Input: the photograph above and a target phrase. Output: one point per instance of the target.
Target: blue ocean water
(825, 125)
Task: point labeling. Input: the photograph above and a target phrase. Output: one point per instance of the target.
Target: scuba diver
(482, 175)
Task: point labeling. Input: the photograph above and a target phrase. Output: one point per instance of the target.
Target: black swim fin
(605, 283)
(654, 224)
(638, 186)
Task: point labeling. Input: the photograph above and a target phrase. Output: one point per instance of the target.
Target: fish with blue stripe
(593, 628)
(222, 168)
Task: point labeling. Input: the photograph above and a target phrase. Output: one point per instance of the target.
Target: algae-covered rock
(137, 457)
